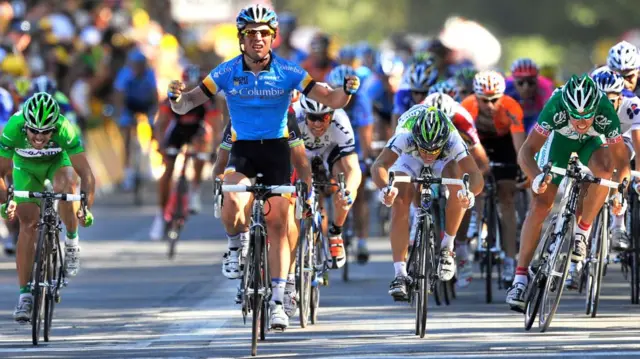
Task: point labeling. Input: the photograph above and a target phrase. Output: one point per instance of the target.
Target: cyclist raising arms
(427, 138)
(43, 145)
(574, 120)
(257, 85)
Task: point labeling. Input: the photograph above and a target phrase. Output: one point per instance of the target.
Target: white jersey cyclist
(409, 161)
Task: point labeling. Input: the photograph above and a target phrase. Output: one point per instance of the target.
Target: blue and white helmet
(422, 76)
(256, 14)
(335, 78)
(623, 56)
(609, 81)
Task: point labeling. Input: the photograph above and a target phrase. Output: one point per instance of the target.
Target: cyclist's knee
(65, 180)
(541, 207)
(601, 164)
(28, 214)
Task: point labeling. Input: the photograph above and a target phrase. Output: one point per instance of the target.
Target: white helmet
(442, 102)
(623, 56)
(609, 81)
(315, 107)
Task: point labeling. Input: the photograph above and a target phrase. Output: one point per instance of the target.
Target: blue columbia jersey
(379, 99)
(258, 104)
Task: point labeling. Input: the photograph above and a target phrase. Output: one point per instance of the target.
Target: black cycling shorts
(500, 149)
(272, 158)
(178, 135)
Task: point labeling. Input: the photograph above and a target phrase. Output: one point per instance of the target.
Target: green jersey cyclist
(39, 144)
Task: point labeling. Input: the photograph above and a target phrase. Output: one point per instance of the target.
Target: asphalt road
(130, 301)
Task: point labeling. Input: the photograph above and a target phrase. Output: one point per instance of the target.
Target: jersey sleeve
(123, 76)
(463, 122)
(343, 133)
(10, 135)
(458, 148)
(227, 140)
(295, 137)
(301, 80)
(215, 81)
(68, 138)
(400, 143)
(612, 133)
(546, 122)
(514, 113)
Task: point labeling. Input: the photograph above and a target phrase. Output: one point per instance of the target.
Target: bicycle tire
(445, 292)
(38, 277)
(451, 287)
(315, 304)
(566, 239)
(345, 267)
(600, 250)
(426, 271)
(49, 305)
(305, 269)
(265, 323)
(534, 299)
(488, 265)
(635, 251)
(256, 300)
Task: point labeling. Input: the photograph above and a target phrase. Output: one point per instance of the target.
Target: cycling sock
(277, 287)
(72, 235)
(335, 229)
(618, 222)
(244, 242)
(401, 269)
(72, 242)
(521, 276)
(25, 290)
(233, 241)
(583, 229)
(447, 241)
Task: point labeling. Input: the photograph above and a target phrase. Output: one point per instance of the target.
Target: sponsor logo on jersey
(32, 152)
(560, 117)
(244, 92)
(632, 111)
(241, 80)
(295, 69)
(602, 121)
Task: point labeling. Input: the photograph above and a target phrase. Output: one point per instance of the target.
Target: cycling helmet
(192, 74)
(442, 102)
(524, 67)
(43, 83)
(256, 14)
(314, 107)
(623, 56)
(422, 76)
(287, 18)
(609, 81)
(489, 84)
(14, 65)
(431, 129)
(580, 96)
(465, 77)
(449, 87)
(335, 78)
(41, 111)
(346, 53)
(598, 70)
(388, 65)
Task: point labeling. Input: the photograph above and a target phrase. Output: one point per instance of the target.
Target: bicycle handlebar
(464, 182)
(584, 175)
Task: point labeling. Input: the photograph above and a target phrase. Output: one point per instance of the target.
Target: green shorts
(30, 175)
(558, 150)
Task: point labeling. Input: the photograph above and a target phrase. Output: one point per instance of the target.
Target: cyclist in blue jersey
(347, 56)
(136, 93)
(367, 59)
(257, 85)
(287, 24)
(417, 80)
(379, 89)
(360, 114)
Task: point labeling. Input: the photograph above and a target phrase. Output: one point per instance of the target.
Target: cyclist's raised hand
(175, 89)
(539, 184)
(8, 211)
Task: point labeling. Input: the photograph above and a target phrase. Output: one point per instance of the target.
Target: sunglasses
(419, 93)
(319, 118)
(487, 100)
(577, 117)
(630, 75)
(40, 132)
(254, 33)
(430, 152)
(531, 81)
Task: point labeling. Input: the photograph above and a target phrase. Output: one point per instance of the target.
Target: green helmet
(41, 111)
(580, 97)
(431, 129)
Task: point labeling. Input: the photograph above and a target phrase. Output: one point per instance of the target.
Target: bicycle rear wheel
(634, 260)
(257, 285)
(557, 276)
(39, 280)
(305, 271)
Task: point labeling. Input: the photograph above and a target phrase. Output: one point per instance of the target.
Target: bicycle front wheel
(39, 283)
(305, 271)
(557, 276)
(257, 288)
(53, 273)
(602, 237)
(426, 271)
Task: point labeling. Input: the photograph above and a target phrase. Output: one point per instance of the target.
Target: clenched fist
(175, 89)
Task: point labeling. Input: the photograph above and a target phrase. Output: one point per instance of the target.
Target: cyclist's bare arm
(620, 160)
(530, 147)
(366, 137)
(480, 156)
(222, 159)
(88, 182)
(215, 119)
(160, 126)
(333, 98)
(518, 139)
(476, 179)
(394, 120)
(380, 168)
(189, 100)
(6, 164)
(635, 137)
(353, 174)
(300, 162)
